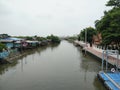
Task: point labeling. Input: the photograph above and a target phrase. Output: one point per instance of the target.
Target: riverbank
(96, 52)
(16, 54)
(52, 67)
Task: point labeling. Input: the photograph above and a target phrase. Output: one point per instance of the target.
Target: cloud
(43, 17)
(3, 9)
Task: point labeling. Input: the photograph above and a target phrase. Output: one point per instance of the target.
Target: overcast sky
(45, 17)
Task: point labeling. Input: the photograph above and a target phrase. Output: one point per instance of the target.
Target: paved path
(112, 59)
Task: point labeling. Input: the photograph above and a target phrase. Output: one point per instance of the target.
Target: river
(56, 67)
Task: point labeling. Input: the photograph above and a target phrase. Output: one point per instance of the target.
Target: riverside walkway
(110, 79)
(98, 52)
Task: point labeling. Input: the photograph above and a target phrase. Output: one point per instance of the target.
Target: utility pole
(85, 40)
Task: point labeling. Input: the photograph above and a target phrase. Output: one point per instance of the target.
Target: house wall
(9, 45)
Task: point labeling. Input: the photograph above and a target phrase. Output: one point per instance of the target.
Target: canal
(56, 67)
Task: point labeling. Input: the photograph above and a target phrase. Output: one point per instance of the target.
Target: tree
(114, 3)
(109, 27)
(29, 38)
(40, 38)
(2, 46)
(90, 32)
(2, 36)
(54, 39)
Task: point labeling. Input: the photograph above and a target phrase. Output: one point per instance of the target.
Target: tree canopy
(114, 3)
(109, 25)
(89, 33)
(54, 39)
(2, 46)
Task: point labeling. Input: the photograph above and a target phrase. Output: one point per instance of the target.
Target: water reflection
(55, 67)
(88, 65)
(98, 85)
(23, 59)
(6, 67)
(43, 48)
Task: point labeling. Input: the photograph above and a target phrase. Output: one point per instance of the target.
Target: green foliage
(109, 26)
(54, 39)
(111, 38)
(81, 36)
(25, 37)
(114, 3)
(41, 38)
(71, 38)
(29, 38)
(90, 32)
(32, 38)
(2, 36)
(2, 46)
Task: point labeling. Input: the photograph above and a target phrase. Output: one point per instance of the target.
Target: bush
(54, 39)
(41, 38)
(2, 46)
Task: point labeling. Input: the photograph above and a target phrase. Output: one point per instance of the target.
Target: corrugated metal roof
(11, 39)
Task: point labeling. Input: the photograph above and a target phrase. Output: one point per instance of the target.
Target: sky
(46, 17)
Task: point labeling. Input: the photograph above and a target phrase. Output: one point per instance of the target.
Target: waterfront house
(11, 42)
(31, 44)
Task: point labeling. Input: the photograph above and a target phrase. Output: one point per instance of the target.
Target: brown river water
(55, 67)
